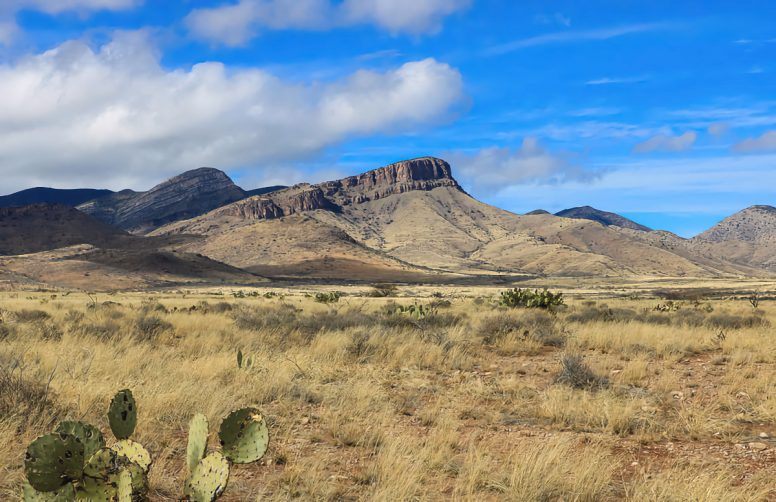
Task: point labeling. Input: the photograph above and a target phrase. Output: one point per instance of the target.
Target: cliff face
(185, 196)
(418, 174)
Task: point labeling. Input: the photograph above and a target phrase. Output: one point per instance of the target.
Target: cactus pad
(134, 452)
(244, 436)
(122, 414)
(208, 480)
(90, 436)
(198, 432)
(124, 491)
(53, 460)
(64, 494)
(102, 464)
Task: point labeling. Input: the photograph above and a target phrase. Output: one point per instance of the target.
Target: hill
(602, 217)
(185, 196)
(43, 195)
(747, 237)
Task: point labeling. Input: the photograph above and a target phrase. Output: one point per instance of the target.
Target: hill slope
(185, 196)
(602, 217)
(747, 237)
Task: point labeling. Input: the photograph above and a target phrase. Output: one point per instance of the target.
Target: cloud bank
(237, 23)
(115, 117)
(667, 143)
(495, 168)
(766, 141)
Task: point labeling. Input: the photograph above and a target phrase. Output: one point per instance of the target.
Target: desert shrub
(23, 397)
(334, 320)
(148, 327)
(328, 297)
(540, 326)
(5, 331)
(26, 315)
(383, 290)
(530, 299)
(656, 318)
(689, 317)
(274, 317)
(46, 331)
(359, 347)
(74, 317)
(724, 320)
(222, 307)
(577, 374)
(440, 304)
(152, 306)
(103, 330)
(603, 314)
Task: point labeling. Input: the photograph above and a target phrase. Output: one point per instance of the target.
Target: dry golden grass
(363, 405)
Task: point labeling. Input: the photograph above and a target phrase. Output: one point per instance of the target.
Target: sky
(662, 111)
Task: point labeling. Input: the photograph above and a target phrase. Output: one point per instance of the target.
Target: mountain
(42, 227)
(185, 196)
(264, 190)
(537, 211)
(43, 195)
(602, 217)
(412, 217)
(747, 237)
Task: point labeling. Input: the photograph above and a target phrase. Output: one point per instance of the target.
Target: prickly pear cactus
(244, 436)
(90, 436)
(124, 489)
(122, 414)
(134, 452)
(102, 478)
(64, 494)
(198, 432)
(102, 464)
(53, 460)
(208, 480)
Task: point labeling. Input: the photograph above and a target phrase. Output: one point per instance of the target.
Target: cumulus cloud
(718, 129)
(114, 116)
(766, 141)
(667, 143)
(237, 23)
(498, 168)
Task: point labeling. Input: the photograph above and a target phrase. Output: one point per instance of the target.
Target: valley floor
(470, 402)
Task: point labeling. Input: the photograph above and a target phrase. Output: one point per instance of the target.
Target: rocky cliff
(185, 196)
(421, 174)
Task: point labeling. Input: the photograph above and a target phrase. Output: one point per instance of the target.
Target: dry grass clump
(576, 373)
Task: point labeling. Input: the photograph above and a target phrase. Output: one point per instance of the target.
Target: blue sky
(662, 111)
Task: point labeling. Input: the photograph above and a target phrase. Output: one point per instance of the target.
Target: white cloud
(718, 129)
(667, 143)
(496, 169)
(115, 117)
(766, 141)
(237, 23)
(576, 36)
(617, 80)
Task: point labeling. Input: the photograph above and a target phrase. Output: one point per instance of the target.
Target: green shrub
(328, 297)
(577, 374)
(526, 298)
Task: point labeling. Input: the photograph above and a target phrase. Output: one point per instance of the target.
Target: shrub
(275, 317)
(31, 316)
(22, 397)
(148, 327)
(577, 374)
(723, 320)
(538, 325)
(328, 297)
(383, 290)
(530, 299)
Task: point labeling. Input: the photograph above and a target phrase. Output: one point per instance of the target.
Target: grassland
(469, 403)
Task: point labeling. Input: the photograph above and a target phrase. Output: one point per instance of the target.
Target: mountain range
(408, 221)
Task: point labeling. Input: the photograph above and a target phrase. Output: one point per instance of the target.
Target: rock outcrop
(185, 196)
(421, 174)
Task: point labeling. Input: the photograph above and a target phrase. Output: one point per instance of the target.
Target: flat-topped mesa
(425, 173)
